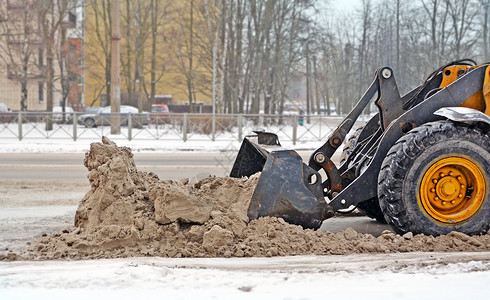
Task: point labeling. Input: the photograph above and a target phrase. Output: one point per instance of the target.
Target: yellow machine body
(481, 99)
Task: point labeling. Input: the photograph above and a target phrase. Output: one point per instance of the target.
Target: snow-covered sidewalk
(66, 145)
(405, 276)
(44, 145)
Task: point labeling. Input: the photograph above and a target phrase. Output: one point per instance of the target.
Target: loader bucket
(287, 188)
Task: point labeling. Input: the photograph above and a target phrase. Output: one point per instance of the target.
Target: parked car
(6, 115)
(103, 117)
(160, 113)
(58, 114)
(293, 110)
(93, 109)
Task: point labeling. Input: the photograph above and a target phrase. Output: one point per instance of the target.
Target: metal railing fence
(155, 126)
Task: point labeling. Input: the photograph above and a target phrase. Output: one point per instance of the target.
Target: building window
(41, 91)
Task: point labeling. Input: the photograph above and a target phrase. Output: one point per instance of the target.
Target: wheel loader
(421, 164)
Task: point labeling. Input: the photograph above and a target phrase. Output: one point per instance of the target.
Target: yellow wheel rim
(452, 190)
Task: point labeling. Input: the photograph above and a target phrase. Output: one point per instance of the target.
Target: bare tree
(52, 13)
(21, 49)
(158, 11)
(98, 49)
(189, 50)
(437, 12)
(54, 21)
(137, 31)
(256, 50)
(463, 15)
(485, 30)
(363, 49)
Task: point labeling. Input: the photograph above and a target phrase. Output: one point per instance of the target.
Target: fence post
(19, 120)
(75, 119)
(319, 127)
(213, 128)
(239, 125)
(130, 127)
(184, 128)
(295, 128)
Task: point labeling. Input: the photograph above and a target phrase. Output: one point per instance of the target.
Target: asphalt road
(69, 166)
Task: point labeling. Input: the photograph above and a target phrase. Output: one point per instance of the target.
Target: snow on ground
(301, 277)
(44, 145)
(67, 145)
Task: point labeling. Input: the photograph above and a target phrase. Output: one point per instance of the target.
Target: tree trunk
(317, 92)
(49, 74)
(154, 28)
(308, 88)
(23, 99)
(128, 71)
(486, 53)
(398, 37)
(49, 81)
(191, 46)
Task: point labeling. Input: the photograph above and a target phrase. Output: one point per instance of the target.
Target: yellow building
(173, 47)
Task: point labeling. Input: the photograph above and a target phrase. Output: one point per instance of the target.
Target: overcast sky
(345, 5)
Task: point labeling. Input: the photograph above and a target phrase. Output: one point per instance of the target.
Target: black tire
(89, 122)
(350, 145)
(404, 178)
(369, 207)
(372, 209)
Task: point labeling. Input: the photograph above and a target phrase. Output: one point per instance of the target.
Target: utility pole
(115, 73)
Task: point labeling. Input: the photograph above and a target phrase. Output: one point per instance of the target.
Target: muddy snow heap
(132, 213)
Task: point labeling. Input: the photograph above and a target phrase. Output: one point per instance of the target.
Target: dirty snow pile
(130, 213)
